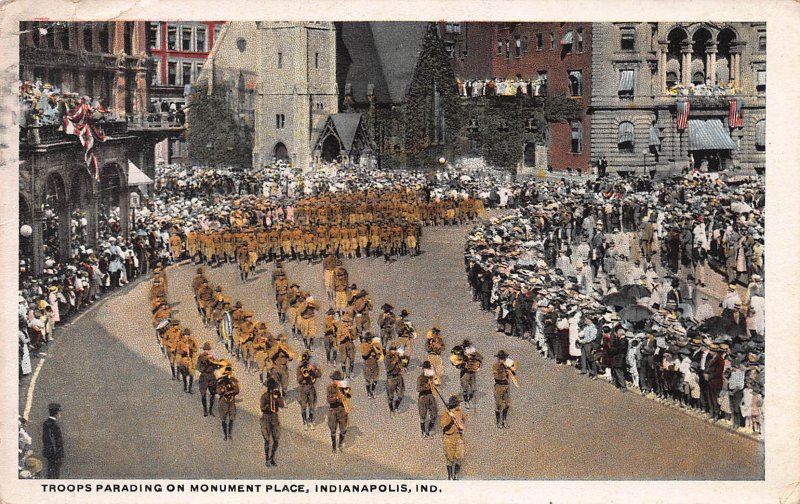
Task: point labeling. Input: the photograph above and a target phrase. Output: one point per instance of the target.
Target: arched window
(672, 79)
(625, 136)
(698, 78)
(575, 83)
(761, 135)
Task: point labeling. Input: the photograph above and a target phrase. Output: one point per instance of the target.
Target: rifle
(458, 424)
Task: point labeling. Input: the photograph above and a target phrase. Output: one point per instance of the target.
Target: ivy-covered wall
(215, 136)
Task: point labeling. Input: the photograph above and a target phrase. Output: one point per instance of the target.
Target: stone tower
(296, 89)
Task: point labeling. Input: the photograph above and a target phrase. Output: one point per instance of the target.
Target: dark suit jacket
(51, 440)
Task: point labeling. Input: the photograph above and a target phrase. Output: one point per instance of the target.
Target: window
(452, 27)
(104, 38)
(280, 60)
(576, 83)
(543, 80)
(217, 29)
(525, 45)
(280, 121)
(517, 46)
(552, 40)
(762, 42)
(87, 37)
(186, 39)
(672, 79)
(63, 35)
(625, 137)
(316, 60)
(198, 68)
(200, 44)
(580, 40)
(508, 48)
(761, 81)
(499, 46)
(626, 83)
(172, 73)
(627, 40)
(186, 69)
(576, 136)
(154, 35)
(172, 38)
(450, 48)
(761, 135)
(156, 80)
(539, 41)
(698, 78)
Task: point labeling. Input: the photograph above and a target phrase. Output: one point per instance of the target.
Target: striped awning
(568, 38)
(626, 81)
(709, 134)
(654, 138)
(761, 133)
(625, 132)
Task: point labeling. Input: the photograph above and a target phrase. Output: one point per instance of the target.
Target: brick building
(179, 51)
(645, 71)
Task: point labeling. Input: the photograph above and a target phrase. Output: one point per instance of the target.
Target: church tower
(296, 90)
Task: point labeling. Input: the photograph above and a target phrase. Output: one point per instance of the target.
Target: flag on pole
(735, 119)
(79, 122)
(683, 113)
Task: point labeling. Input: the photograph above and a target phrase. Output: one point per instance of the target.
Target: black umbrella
(635, 313)
(635, 291)
(618, 299)
(718, 326)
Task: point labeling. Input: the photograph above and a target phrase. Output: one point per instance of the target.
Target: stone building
(108, 62)
(281, 78)
(645, 72)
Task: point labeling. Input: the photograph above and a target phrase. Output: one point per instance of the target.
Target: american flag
(735, 117)
(79, 122)
(683, 114)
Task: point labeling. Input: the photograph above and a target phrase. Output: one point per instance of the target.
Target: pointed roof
(346, 126)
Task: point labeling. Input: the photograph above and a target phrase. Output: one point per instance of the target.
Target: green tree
(215, 136)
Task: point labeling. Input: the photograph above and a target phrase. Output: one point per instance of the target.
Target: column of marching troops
(359, 224)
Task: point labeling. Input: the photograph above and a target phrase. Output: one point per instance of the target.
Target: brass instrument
(457, 356)
(345, 393)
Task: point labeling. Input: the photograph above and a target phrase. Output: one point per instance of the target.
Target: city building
(108, 63)
(179, 51)
(666, 96)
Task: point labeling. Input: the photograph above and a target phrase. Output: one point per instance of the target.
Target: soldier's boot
(272, 453)
(341, 440)
(305, 420)
(505, 417)
(369, 390)
(311, 418)
(431, 423)
(191, 382)
(374, 386)
(205, 405)
(449, 472)
(422, 429)
(397, 405)
(344, 370)
(497, 419)
(333, 442)
(350, 372)
(391, 406)
(211, 405)
(266, 452)
(172, 367)
(456, 468)
(225, 429)
(183, 378)
(230, 430)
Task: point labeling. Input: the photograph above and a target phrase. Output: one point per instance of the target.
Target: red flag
(79, 123)
(683, 113)
(735, 119)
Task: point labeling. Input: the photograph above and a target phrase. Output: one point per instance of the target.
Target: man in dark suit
(618, 353)
(52, 442)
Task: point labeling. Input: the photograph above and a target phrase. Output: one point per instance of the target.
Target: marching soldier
(330, 336)
(280, 354)
(296, 296)
(271, 402)
(307, 320)
(372, 353)
(281, 292)
(452, 422)
(396, 363)
(175, 245)
(187, 353)
(426, 402)
(206, 365)
(434, 345)
(338, 395)
(170, 342)
(387, 323)
(362, 305)
(469, 366)
(205, 297)
(340, 282)
(197, 282)
(247, 332)
(227, 388)
(504, 371)
(405, 332)
(307, 375)
(345, 343)
(261, 342)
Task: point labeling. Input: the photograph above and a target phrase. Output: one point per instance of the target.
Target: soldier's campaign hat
(219, 288)
(199, 271)
(466, 343)
(387, 307)
(426, 364)
(207, 345)
(502, 354)
(238, 304)
(262, 325)
(404, 313)
(330, 311)
(248, 314)
(306, 355)
(454, 401)
(53, 407)
(337, 375)
(187, 331)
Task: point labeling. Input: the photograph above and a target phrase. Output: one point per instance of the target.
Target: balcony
(51, 134)
(155, 122)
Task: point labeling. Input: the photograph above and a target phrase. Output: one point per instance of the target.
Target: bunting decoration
(735, 119)
(79, 122)
(683, 114)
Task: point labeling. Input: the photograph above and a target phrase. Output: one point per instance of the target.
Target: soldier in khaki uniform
(307, 375)
(280, 354)
(170, 342)
(245, 335)
(453, 423)
(372, 353)
(270, 404)
(405, 332)
(362, 305)
(331, 345)
(208, 382)
(469, 368)
(396, 362)
(433, 346)
(426, 401)
(175, 245)
(260, 349)
(227, 388)
(338, 395)
(340, 282)
(205, 297)
(186, 356)
(307, 320)
(296, 296)
(328, 268)
(503, 371)
(191, 244)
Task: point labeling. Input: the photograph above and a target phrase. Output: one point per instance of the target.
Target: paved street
(124, 418)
